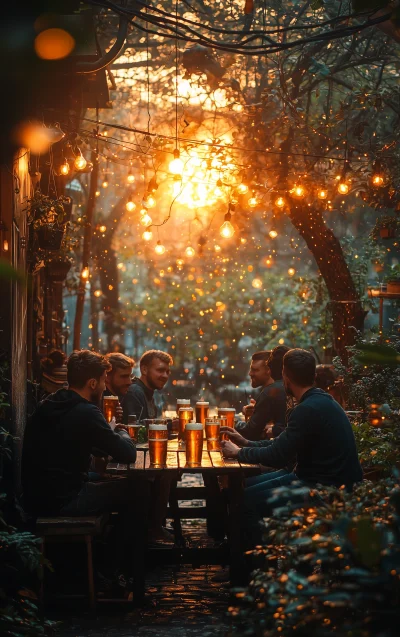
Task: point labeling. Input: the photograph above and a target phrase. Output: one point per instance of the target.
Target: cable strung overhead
(264, 40)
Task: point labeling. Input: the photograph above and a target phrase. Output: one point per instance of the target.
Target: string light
(131, 177)
(149, 201)
(80, 162)
(322, 193)
(103, 229)
(227, 230)
(147, 235)
(190, 251)
(252, 202)
(130, 205)
(257, 283)
(85, 273)
(105, 180)
(98, 293)
(159, 249)
(377, 178)
(146, 220)
(343, 188)
(176, 165)
(291, 271)
(217, 248)
(280, 202)
(218, 192)
(273, 233)
(298, 191)
(242, 188)
(64, 168)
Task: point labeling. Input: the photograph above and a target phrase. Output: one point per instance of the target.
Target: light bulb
(130, 205)
(234, 200)
(147, 235)
(176, 165)
(298, 191)
(103, 228)
(377, 180)
(85, 273)
(159, 249)
(150, 202)
(217, 248)
(291, 271)
(190, 252)
(146, 220)
(257, 283)
(273, 234)
(130, 178)
(80, 162)
(105, 181)
(98, 293)
(343, 188)
(5, 245)
(322, 194)
(280, 202)
(227, 230)
(218, 192)
(252, 202)
(64, 168)
(242, 189)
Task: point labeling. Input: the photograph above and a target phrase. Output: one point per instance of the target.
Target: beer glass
(194, 443)
(212, 434)
(229, 413)
(110, 404)
(186, 415)
(158, 444)
(223, 423)
(133, 427)
(202, 411)
(181, 403)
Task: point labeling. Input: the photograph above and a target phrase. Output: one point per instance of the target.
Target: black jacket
(139, 400)
(270, 407)
(319, 437)
(58, 443)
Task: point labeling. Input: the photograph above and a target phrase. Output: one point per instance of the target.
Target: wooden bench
(73, 529)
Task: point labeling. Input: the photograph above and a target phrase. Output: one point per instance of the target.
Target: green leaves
(374, 354)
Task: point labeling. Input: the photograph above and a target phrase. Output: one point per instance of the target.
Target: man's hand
(229, 450)
(251, 404)
(234, 436)
(120, 427)
(119, 413)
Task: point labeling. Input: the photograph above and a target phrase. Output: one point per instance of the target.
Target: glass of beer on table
(133, 427)
(194, 443)
(185, 414)
(213, 426)
(158, 445)
(181, 403)
(110, 404)
(229, 414)
(202, 408)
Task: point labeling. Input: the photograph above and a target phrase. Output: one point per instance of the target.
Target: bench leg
(92, 595)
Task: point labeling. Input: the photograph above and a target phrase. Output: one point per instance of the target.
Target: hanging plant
(45, 211)
(385, 228)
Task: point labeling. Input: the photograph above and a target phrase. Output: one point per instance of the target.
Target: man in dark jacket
(59, 440)
(270, 406)
(318, 437)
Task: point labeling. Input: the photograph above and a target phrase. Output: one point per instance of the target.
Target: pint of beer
(110, 407)
(223, 423)
(133, 427)
(186, 414)
(202, 411)
(194, 443)
(229, 413)
(212, 434)
(181, 403)
(158, 444)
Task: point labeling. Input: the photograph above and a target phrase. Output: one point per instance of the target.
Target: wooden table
(212, 464)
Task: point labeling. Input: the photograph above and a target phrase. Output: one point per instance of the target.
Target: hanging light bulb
(105, 180)
(273, 233)
(190, 251)
(218, 192)
(146, 220)
(98, 293)
(234, 200)
(322, 193)
(131, 177)
(130, 205)
(217, 248)
(343, 188)
(227, 230)
(80, 162)
(102, 229)
(377, 180)
(147, 234)
(377, 177)
(176, 165)
(64, 168)
(242, 188)
(159, 249)
(298, 191)
(252, 202)
(291, 271)
(149, 201)
(280, 202)
(85, 273)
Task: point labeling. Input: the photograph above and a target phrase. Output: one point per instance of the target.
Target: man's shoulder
(136, 390)
(87, 411)
(272, 391)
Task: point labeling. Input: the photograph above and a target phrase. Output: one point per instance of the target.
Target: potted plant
(385, 228)
(393, 280)
(47, 217)
(58, 268)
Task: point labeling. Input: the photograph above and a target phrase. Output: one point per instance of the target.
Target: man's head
(298, 370)
(259, 372)
(155, 368)
(86, 374)
(118, 378)
(275, 361)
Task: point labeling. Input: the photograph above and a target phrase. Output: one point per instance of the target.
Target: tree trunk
(86, 251)
(345, 303)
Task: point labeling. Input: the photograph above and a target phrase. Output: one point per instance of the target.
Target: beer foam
(194, 426)
(202, 403)
(226, 409)
(158, 427)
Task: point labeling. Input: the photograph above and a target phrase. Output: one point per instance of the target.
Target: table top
(212, 462)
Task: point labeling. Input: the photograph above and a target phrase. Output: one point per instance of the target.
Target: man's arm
(253, 429)
(133, 403)
(116, 444)
(283, 450)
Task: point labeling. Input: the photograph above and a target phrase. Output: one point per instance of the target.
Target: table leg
(234, 523)
(174, 508)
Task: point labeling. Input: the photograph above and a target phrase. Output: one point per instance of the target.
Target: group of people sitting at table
(311, 443)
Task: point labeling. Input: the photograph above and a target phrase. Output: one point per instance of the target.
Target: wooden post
(86, 251)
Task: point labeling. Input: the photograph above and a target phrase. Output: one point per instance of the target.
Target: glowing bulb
(176, 165)
(147, 235)
(291, 271)
(218, 192)
(217, 248)
(256, 283)
(80, 162)
(242, 189)
(252, 202)
(298, 191)
(322, 194)
(5, 245)
(227, 230)
(190, 252)
(273, 234)
(146, 220)
(377, 180)
(150, 202)
(130, 178)
(103, 228)
(105, 181)
(159, 249)
(280, 202)
(130, 205)
(234, 200)
(64, 168)
(343, 188)
(85, 273)
(98, 293)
